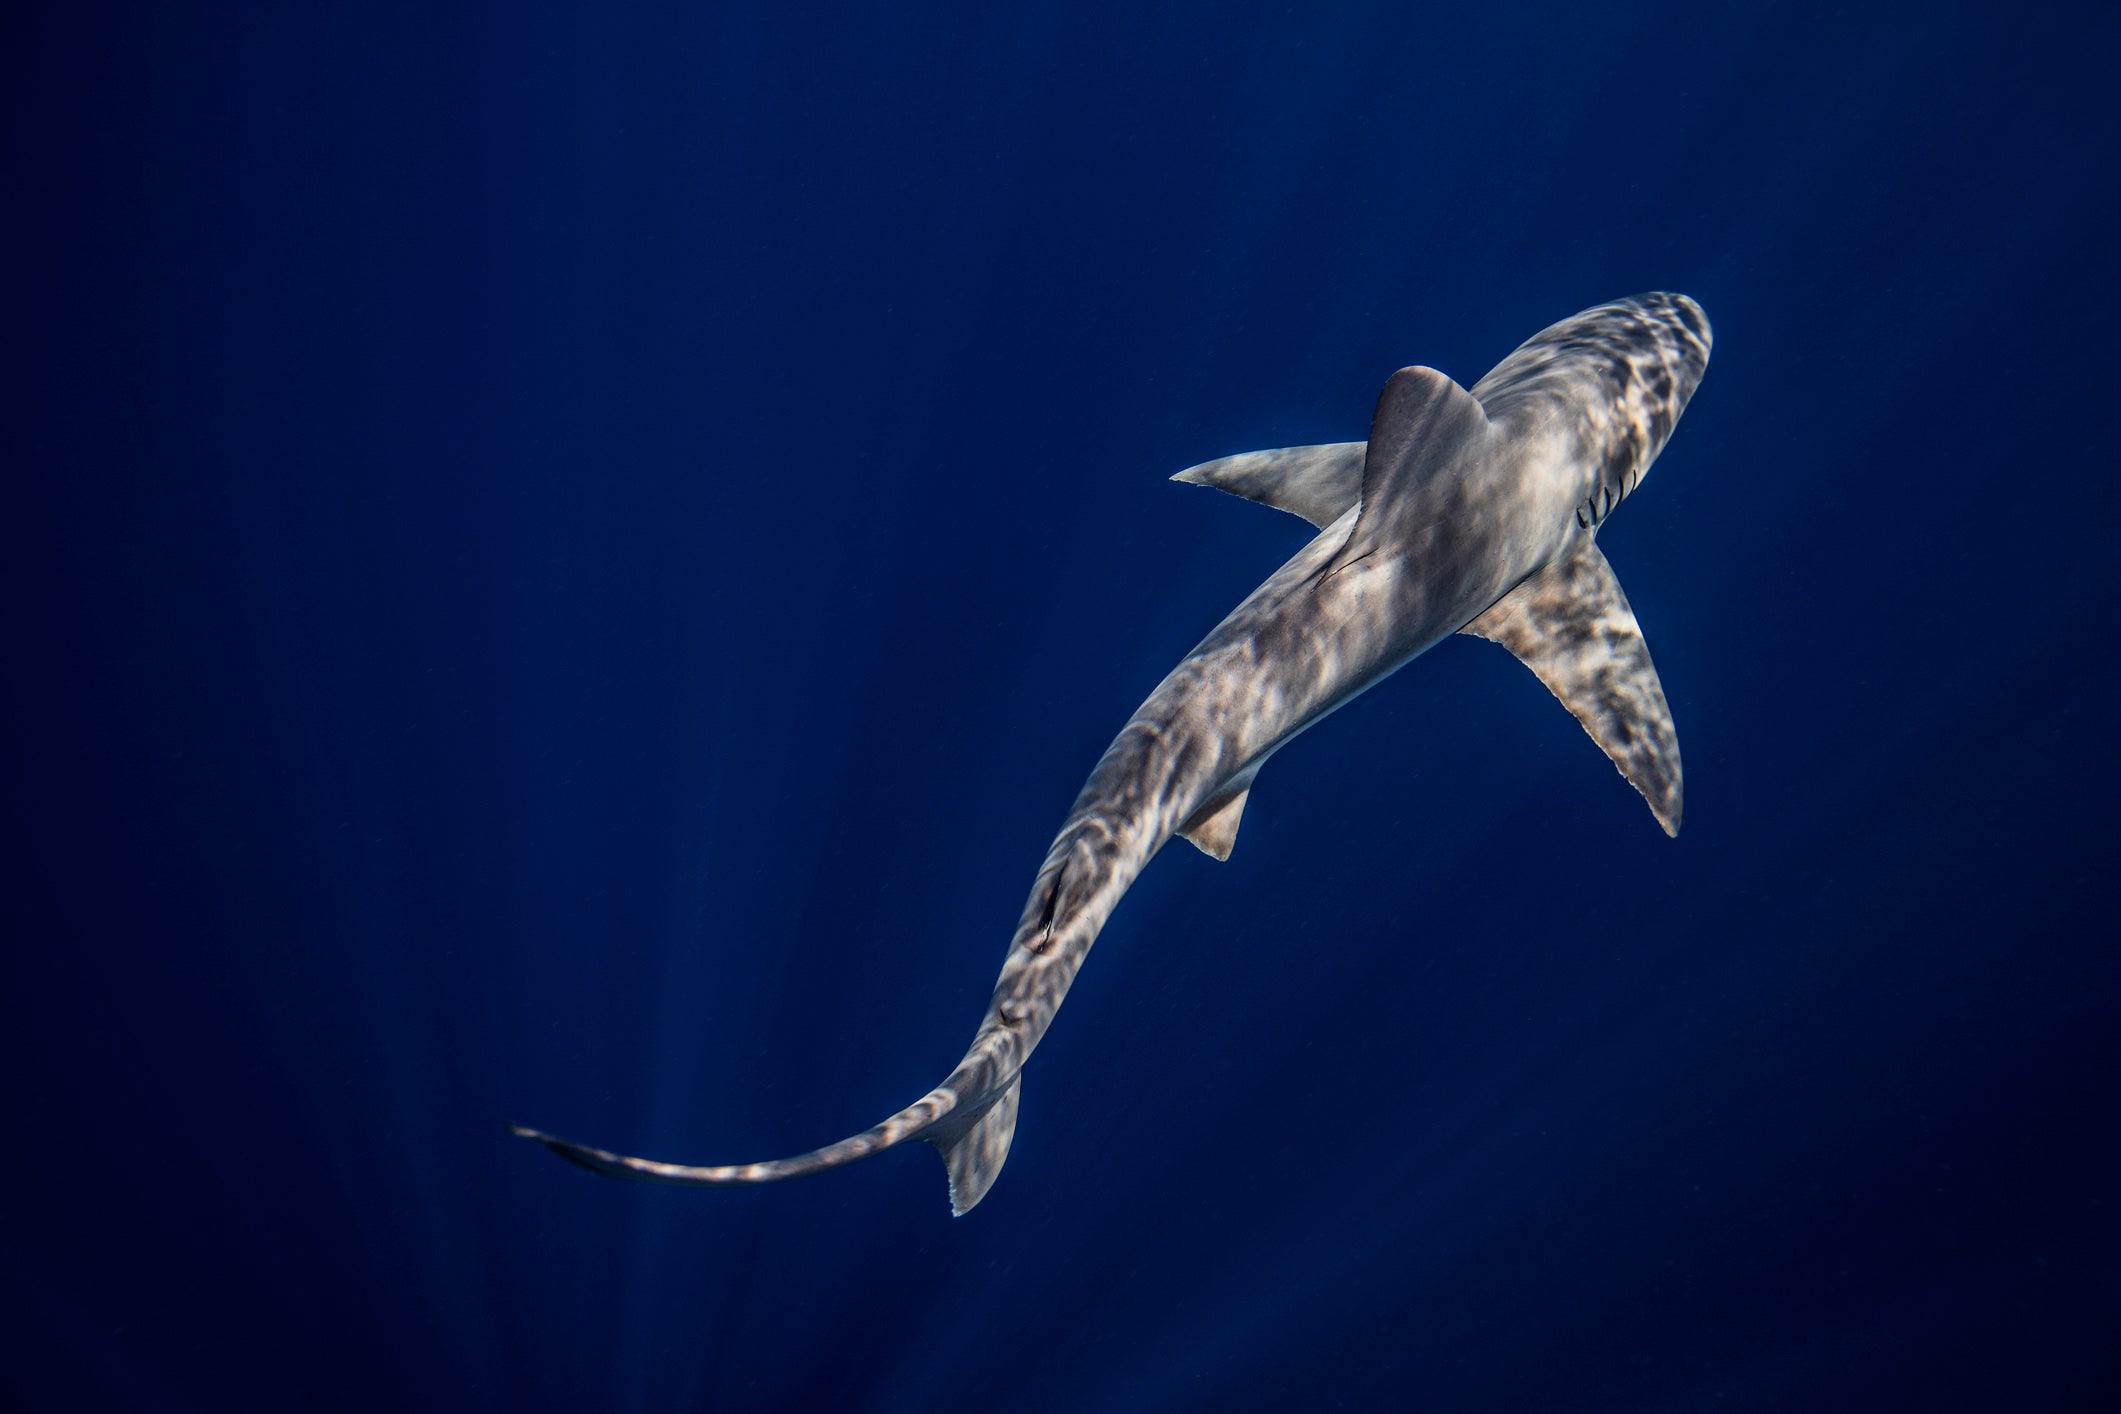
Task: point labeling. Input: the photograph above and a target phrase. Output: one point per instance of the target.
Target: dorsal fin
(1571, 625)
(1421, 415)
(1318, 483)
(1423, 421)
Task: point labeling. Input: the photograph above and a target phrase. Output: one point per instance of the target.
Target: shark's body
(1474, 512)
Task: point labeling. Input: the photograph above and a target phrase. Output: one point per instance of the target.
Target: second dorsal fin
(1318, 483)
(1212, 829)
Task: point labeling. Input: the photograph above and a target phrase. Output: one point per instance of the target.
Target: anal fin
(975, 1156)
(1571, 625)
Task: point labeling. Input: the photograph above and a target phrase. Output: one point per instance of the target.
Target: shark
(1472, 511)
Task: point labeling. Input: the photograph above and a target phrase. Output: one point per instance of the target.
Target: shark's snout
(1696, 319)
(1684, 333)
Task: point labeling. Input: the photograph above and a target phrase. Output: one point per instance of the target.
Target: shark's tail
(972, 1134)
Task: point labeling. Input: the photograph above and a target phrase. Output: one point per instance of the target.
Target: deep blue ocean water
(564, 563)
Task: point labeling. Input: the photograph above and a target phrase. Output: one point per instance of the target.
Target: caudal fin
(976, 1155)
(973, 1153)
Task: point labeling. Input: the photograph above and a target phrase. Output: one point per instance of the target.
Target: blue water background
(564, 563)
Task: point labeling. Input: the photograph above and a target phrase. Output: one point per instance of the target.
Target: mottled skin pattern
(1463, 498)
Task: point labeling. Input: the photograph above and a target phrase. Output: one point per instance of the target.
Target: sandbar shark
(1464, 512)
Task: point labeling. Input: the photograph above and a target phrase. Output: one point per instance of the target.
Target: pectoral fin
(1571, 625)
(1318, 483)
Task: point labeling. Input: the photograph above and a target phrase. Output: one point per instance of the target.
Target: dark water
(565, 564)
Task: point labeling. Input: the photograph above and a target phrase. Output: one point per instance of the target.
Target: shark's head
(1668, 340)
(1617, 376)
(1658, 347)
